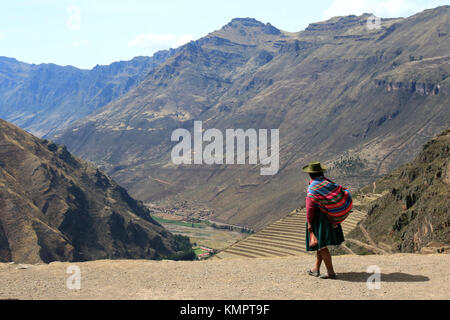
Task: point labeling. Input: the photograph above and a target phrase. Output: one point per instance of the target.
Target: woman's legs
(318, 262)
(326, 257)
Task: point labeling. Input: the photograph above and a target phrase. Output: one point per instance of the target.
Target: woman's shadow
(385, 277)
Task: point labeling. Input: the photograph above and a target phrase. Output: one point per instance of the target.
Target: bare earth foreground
(403, 276)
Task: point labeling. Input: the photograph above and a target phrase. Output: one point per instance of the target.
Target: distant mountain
(56, 207)
(413, 212)
(362, 100)
(46, 97)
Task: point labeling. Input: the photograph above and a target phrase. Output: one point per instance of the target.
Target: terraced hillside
(285, 237)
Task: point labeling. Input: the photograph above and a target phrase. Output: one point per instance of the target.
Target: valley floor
(403, 276)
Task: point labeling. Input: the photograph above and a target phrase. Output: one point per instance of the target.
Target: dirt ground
(403, 276)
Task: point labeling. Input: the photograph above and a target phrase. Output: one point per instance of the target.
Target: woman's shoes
(323, 276)
(328, 276)
(313, 273)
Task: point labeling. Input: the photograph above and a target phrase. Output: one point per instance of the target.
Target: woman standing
(320, 231)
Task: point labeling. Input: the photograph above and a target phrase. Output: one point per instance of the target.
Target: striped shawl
(331, 198)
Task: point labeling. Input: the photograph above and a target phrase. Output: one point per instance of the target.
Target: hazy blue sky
(84, 33)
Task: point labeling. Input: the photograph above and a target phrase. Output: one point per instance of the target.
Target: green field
(202, 233)
(181, 223)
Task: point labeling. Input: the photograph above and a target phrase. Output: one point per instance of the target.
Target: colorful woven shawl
(331, 198)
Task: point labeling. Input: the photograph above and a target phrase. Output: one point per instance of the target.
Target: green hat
(314, 167)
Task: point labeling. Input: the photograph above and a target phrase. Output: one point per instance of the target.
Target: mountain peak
(248, 31)
(251, 23)
(338, 23)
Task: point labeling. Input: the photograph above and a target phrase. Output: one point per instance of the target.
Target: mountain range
(45, 97)
(361, 100)
(55, 207)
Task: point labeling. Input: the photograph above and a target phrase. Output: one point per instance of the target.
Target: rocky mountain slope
(361, 100)
(56, 207)
(46, 97)
(413, 214)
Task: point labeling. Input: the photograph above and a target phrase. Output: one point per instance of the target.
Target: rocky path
(403, 276)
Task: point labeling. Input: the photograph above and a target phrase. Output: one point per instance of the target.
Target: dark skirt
(324, 231)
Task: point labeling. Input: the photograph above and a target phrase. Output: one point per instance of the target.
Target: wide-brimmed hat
(314, 167)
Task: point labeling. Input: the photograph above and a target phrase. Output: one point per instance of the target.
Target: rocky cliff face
(423, 76)
(46, 97)
(413, 212)
(56, 207)
(319, 87)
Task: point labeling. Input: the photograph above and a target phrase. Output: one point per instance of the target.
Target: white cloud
(77, 43)
(73, 22)
(380, 8)
(159, 41)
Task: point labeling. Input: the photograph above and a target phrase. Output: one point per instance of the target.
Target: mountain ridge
(46, 97)
(412, 213)
(55, 207)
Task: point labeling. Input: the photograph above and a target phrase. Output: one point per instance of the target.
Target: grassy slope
(414, 210)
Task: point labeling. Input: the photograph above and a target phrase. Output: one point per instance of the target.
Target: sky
(84, 33)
